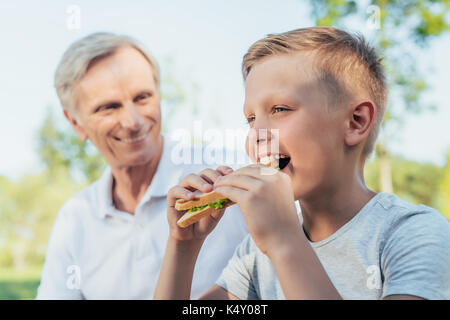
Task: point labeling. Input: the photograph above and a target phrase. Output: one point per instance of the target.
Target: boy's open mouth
(283, 162)
(277, 161)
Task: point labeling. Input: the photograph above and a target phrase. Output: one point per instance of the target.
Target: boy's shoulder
(396, 212)
(403, 224)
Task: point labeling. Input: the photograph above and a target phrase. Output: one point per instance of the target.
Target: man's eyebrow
(144, 91)
(100, 104)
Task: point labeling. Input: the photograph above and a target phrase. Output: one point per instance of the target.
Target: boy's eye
(279, 109)
(251, 119)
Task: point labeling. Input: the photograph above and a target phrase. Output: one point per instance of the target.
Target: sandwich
(201, 206)
(207, 203)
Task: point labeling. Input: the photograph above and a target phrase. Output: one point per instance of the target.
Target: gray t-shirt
(389, 247)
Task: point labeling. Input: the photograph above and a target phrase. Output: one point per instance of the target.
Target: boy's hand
(184, 190)
(266, 200)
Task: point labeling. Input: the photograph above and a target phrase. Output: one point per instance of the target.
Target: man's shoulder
(82, 203)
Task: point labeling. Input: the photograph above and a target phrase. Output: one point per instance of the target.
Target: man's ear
(360, 121)
(76, 126)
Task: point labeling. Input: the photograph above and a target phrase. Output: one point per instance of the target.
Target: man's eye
(142, 96)
(111, 106)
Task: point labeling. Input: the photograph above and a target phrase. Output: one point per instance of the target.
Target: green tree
(62, 153)
(29, 205)
(28, 209)
(413, 181)
(401, 28)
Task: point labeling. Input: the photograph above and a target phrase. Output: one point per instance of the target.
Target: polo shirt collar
(166, 176)
(167, 173)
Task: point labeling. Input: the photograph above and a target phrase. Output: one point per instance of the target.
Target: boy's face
(281, 92)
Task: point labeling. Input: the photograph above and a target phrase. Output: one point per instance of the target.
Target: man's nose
(131, 118)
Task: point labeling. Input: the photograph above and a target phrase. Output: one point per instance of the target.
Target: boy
(325, 92)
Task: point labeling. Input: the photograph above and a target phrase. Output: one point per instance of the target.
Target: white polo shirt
(98, 252)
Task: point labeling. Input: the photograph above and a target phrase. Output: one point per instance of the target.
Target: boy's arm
(218, 293)
(175, 277)
(300, 272)
(184, 244)
(272, 220)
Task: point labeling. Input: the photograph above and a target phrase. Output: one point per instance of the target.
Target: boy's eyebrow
(278, 98)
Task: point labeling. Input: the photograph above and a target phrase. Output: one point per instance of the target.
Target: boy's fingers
(178, 192)
(210, 175)
(224, 170)
(195, 182)
(217, 215)
(232, 193)
(239, 181)
(257, 171)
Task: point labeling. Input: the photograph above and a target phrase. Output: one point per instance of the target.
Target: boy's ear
(361, 118)
(76, 126)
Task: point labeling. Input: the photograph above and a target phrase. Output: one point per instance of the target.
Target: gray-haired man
(108, 240)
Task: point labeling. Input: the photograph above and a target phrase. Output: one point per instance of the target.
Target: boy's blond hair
(342, 62)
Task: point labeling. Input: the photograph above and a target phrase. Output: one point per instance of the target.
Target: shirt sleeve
(61, 277)
(236, 278)
(416, 257)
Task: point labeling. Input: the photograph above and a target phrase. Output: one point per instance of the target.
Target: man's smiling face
(118, 108)
(282, 93)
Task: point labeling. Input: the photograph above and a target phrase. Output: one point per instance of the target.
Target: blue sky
(205, 40)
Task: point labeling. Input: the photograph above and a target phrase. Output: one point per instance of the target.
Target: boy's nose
(264, 135)
(262, 140)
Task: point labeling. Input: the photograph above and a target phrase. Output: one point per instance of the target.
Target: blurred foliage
(443, 202)
(62, 153)
(397, 29)
(19, 285)
(29, 205)
(419, 183)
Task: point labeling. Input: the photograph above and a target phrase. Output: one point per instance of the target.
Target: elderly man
(108, 241)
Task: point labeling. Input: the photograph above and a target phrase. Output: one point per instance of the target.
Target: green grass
(19, 285)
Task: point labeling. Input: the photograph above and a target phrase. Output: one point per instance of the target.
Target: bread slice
(191, 217)
(199, 200)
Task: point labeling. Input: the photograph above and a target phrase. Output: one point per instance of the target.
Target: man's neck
(131, 183)
(325, 213)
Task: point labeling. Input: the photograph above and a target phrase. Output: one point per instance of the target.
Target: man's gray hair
(81, 54)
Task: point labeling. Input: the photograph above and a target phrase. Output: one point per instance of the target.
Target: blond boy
(325, 92)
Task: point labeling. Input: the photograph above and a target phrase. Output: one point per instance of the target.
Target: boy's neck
(325, 214)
